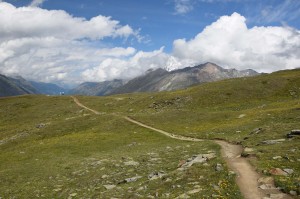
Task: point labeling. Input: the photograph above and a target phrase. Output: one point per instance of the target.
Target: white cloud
(229, 42)
(137, 64)
(183, 6)
(51, 45)
(66, 49)
(36, 3)
(37, 22)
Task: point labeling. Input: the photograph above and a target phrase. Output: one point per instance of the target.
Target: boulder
(109, 187)
(133, 179)
(201, 158)
(288, 171)
(219, 167)
(293, 133)
(273, 141)
(155, 175)
(278, 172)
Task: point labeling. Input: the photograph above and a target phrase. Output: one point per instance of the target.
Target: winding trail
(247, 177)
(83, 106)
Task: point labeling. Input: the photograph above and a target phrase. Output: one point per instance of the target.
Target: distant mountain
(143, 83)
(97, 88)
(15, 86)
(162, 80)
(48, 88)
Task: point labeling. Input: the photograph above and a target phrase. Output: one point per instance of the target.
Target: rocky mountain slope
(48, 88)
(15, 86)
(162, 80)
(97, 88)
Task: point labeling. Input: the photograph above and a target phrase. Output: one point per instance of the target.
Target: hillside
(15, 86)
(103, 155)
(162, 80)
(96, 88)
(48, 88)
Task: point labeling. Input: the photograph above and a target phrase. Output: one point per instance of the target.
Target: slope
(15, 86)
(252, 111)
(162, 80)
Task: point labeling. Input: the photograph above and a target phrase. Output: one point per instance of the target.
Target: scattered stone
(288, 171)
(133, 179)
(219, 167)
(41, 125)
(278, 172)
(131, 163)
(248, 150)
(73, 194)
(216, 187)
(265, 180)
(293, 133)
(201, 158)
(57, 190)
(277, 157)
(256, 131)
(183, 196)
(241, 116)
(273, 141)
(109, 187)
(104, 176)
(266, 186)
(293, 193)
(155, 175)
(278, 196)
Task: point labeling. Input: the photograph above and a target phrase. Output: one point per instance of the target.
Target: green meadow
(51, 148)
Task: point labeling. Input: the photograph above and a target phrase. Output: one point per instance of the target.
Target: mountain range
(154, 80)
(12, 86)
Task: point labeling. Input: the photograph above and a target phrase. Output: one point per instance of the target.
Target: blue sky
(182, 27)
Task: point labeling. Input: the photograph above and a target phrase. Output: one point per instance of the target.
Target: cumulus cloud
(183, 6)
(135, 65)
(36, 3)
(229, 42)
(51, 45)
(37, 22)
(66, 49)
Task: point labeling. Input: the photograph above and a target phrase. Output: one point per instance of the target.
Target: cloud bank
(229, 42)
(66, 49)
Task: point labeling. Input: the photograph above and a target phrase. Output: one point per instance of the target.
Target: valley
(53, 147)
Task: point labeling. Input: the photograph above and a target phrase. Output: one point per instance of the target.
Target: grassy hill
(52, 148)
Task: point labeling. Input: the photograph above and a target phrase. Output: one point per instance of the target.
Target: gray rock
(133, 179)
(266, 186)
(41, 125)
(219, 167)
(201, 158)
(256, 131)
(109, 187)
(273, 141)
(293, 133)
(293, 193)
(131, 163)
(276, 157)
(289, 171)
(155, 175)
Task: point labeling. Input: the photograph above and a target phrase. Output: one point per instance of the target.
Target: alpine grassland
(52, 148)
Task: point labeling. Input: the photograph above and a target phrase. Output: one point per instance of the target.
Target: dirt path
(81, 105)
(247, 177)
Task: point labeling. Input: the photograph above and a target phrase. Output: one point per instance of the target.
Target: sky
(70, 42)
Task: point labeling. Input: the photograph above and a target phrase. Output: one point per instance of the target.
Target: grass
(76, 152)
